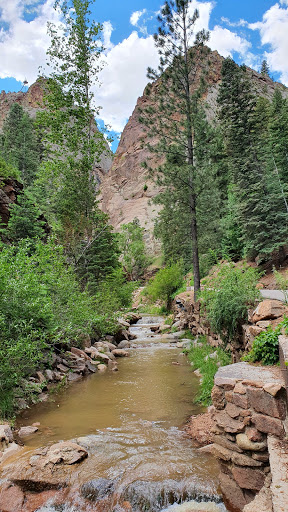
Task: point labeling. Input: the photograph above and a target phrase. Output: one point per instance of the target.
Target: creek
(131, 423)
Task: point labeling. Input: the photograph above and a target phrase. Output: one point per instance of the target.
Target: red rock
(232, 410)
(233, 496)
(268, 310)
(240, 400)
(249, 478)
(254, 435)
(27, 431)
(268, 425)
(229, 424)
(266, 404)
(11, 498)
(36, 500)
(218, 397)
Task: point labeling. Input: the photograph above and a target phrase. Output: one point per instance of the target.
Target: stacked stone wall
(250, 404)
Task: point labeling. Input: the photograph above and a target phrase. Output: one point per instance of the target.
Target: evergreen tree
(25, 221)
(259, 201)
(19, 145)
(278, 132)
(171, 115)
(265, 68)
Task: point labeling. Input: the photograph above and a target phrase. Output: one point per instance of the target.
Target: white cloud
(23, 46)
(284, 2)
(274, 33)
(240, 23)
(227, 42)
(107, 32)
(135, 17)
(124, 78)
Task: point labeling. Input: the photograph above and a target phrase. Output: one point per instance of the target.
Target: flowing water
(130, 423)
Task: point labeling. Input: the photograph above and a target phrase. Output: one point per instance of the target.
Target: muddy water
(130, 422)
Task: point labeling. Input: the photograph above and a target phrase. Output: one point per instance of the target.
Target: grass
(207, 368)
(187, 336)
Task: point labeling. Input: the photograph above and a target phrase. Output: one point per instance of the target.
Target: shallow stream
(131, 424)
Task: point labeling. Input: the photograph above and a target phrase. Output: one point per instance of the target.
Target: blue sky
(248, 30)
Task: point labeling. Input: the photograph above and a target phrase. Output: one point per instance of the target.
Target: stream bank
(128, 450)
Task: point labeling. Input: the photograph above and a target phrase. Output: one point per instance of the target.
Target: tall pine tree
(170, 118)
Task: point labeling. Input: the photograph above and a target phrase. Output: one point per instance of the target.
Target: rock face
(126, 191)
(9, 191)
(32, 102)
(250, 406)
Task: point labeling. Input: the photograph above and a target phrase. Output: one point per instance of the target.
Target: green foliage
(66, 186)
(41, 305)
(261, 213)
(265, 348)
(226, 297)
(199, 357)
(99, 254)
(134, 256)
(172, 120)
(19, 144)
(7, 170)
(25, 221)
(166, 282)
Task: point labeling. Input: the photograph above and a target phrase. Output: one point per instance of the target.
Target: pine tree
(19, 145)
(170, 118)
(259, 202)
(265, 71)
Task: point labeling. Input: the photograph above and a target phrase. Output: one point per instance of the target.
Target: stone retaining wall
(250, 403)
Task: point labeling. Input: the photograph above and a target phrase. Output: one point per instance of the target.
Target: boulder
(27, 431)
(49, 374)
(249, 478)
(120, 353)
(232, 493)
(229, 424)
(11, 498)
(63, 453)
(268, 309)
(265, 403)
(102, 368)
(6, 433)
(123, 344)
(80, 353)
(268, 425)
(246, 444)
(237, 458)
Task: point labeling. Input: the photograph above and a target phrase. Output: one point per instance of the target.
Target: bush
(265, 347)
(166, 282)
(41, 304)
(227, 295)
(199, 357)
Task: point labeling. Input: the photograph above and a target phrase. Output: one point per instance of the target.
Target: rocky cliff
(32, 102)
(124, 192)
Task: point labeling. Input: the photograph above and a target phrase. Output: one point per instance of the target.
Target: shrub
(208, 366)
(166, 282)
(227, 295)
(265, 348)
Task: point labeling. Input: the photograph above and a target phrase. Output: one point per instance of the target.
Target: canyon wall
(126, 191)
